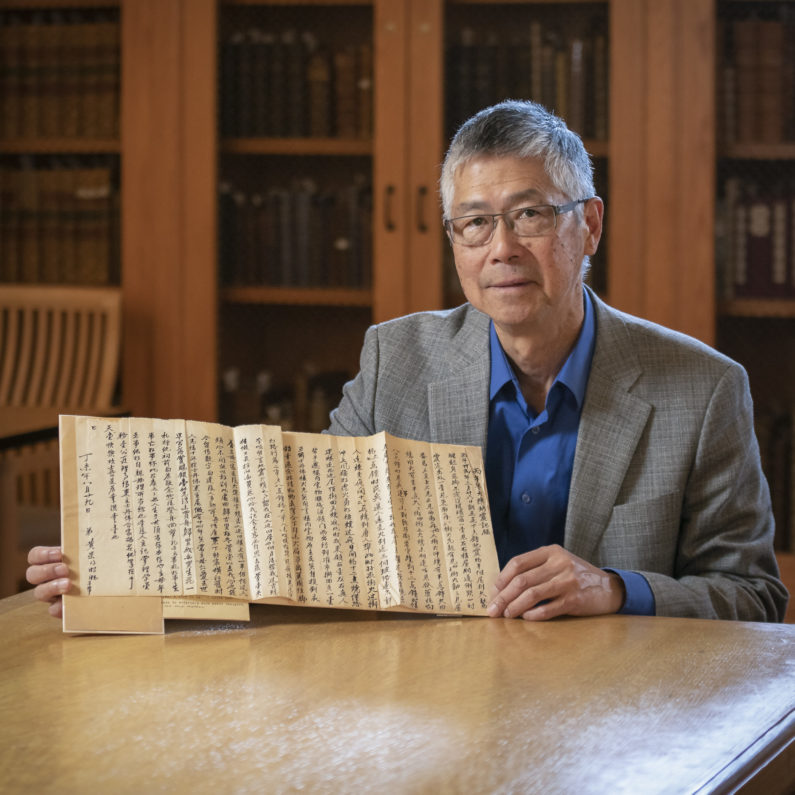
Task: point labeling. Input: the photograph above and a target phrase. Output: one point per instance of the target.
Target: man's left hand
(550, 581)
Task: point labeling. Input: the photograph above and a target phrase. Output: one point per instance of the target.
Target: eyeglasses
(477, 230)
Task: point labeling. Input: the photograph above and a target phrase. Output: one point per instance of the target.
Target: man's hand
(50, 575)
(549, 582)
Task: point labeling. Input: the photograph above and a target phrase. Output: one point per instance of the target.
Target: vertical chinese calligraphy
(178, 508)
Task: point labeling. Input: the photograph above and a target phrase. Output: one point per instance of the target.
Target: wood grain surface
(334, 701)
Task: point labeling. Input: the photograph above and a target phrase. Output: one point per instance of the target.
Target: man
(622, 468)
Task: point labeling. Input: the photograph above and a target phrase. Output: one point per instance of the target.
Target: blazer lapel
(611, 425)
(458, 401)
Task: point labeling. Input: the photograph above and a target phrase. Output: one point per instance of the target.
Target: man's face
(525, 284)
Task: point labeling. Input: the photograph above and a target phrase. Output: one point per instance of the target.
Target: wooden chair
(59, 349)
(60, 345)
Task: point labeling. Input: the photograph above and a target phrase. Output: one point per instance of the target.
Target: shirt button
(535, 429)
(526, 498)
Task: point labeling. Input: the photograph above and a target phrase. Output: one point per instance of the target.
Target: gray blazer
(667, 478)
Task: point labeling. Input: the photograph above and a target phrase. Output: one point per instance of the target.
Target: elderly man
(621, 463)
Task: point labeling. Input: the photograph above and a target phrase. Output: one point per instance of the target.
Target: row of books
(59, 76)
(58, 225)
(757, 77)
(290, 84)
(755, 246)
(304, 404)
(297, 235)
(564, 70)
(775, 430)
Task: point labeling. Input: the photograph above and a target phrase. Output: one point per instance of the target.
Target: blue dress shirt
(530, 456)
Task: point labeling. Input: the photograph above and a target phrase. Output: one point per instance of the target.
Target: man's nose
(503, 237)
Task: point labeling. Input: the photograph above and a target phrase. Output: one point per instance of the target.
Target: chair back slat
(59, 346)
(9, 350)
(41, 354)
(25, 348)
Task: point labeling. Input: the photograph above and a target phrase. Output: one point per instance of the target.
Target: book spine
(72, 38)
(93, 225)
(10, 77)
(770, 86)
(344, 61)
(30, 87)
(364, 87)
(49, 226)
(28, 225)
(108, 82)
(745, 33)
(319, 93)
(9, 225)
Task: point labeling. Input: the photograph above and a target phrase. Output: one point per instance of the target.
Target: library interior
(205, 204)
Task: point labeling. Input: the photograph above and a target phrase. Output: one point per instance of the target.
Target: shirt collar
(575, 370)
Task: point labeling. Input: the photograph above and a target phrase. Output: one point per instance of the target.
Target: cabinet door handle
(389, 192)
(422, 192)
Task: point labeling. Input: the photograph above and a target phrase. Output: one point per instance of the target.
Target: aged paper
(181, 509)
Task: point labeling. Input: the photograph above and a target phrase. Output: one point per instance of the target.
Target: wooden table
(341, 701)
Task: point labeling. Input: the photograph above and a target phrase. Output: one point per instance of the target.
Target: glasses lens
(530, 221)
(474, 230)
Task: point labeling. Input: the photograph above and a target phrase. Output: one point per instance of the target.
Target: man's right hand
(50, 575)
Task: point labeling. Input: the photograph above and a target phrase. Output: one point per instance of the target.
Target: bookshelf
(59, 143)
(184, 325)
(417, 101)
(755, 226)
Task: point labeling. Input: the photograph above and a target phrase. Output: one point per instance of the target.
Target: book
(9, 225)
(318, 75)
(746, 41)
(154, 510)
(345, 92)
(10, 67)
(364, 88)
(93, 209)
(769, 90)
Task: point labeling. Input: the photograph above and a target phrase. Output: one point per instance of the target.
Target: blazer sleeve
(724, 564)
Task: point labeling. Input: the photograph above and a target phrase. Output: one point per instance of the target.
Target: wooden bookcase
(182, 328)
(755, 226)
(59, 142)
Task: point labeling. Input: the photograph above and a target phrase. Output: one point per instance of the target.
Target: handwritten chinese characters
(182, 508)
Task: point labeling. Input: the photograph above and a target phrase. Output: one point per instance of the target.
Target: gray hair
(521, 128)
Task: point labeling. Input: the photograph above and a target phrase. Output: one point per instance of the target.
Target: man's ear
(593, 214)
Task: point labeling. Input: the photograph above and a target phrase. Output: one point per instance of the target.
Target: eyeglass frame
(557, 209)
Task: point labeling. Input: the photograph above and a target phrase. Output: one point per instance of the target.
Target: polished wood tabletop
(342, 701)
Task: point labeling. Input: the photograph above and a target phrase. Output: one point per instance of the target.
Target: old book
(72, 37)
(770, 99)
(106, 65)
(29, 230)
(29, 84)
(157, 510)
(49, 79)
(50, 236)
(10, 65)
(92, 192)
(746, 62)
(259, 53)
(345, 92)
(9, 224)
(295, 83)
(318, 76)
(364, 89)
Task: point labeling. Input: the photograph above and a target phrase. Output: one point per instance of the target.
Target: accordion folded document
(181, 519)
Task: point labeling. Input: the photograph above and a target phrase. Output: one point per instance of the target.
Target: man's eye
(527, 212)
(476, 221)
